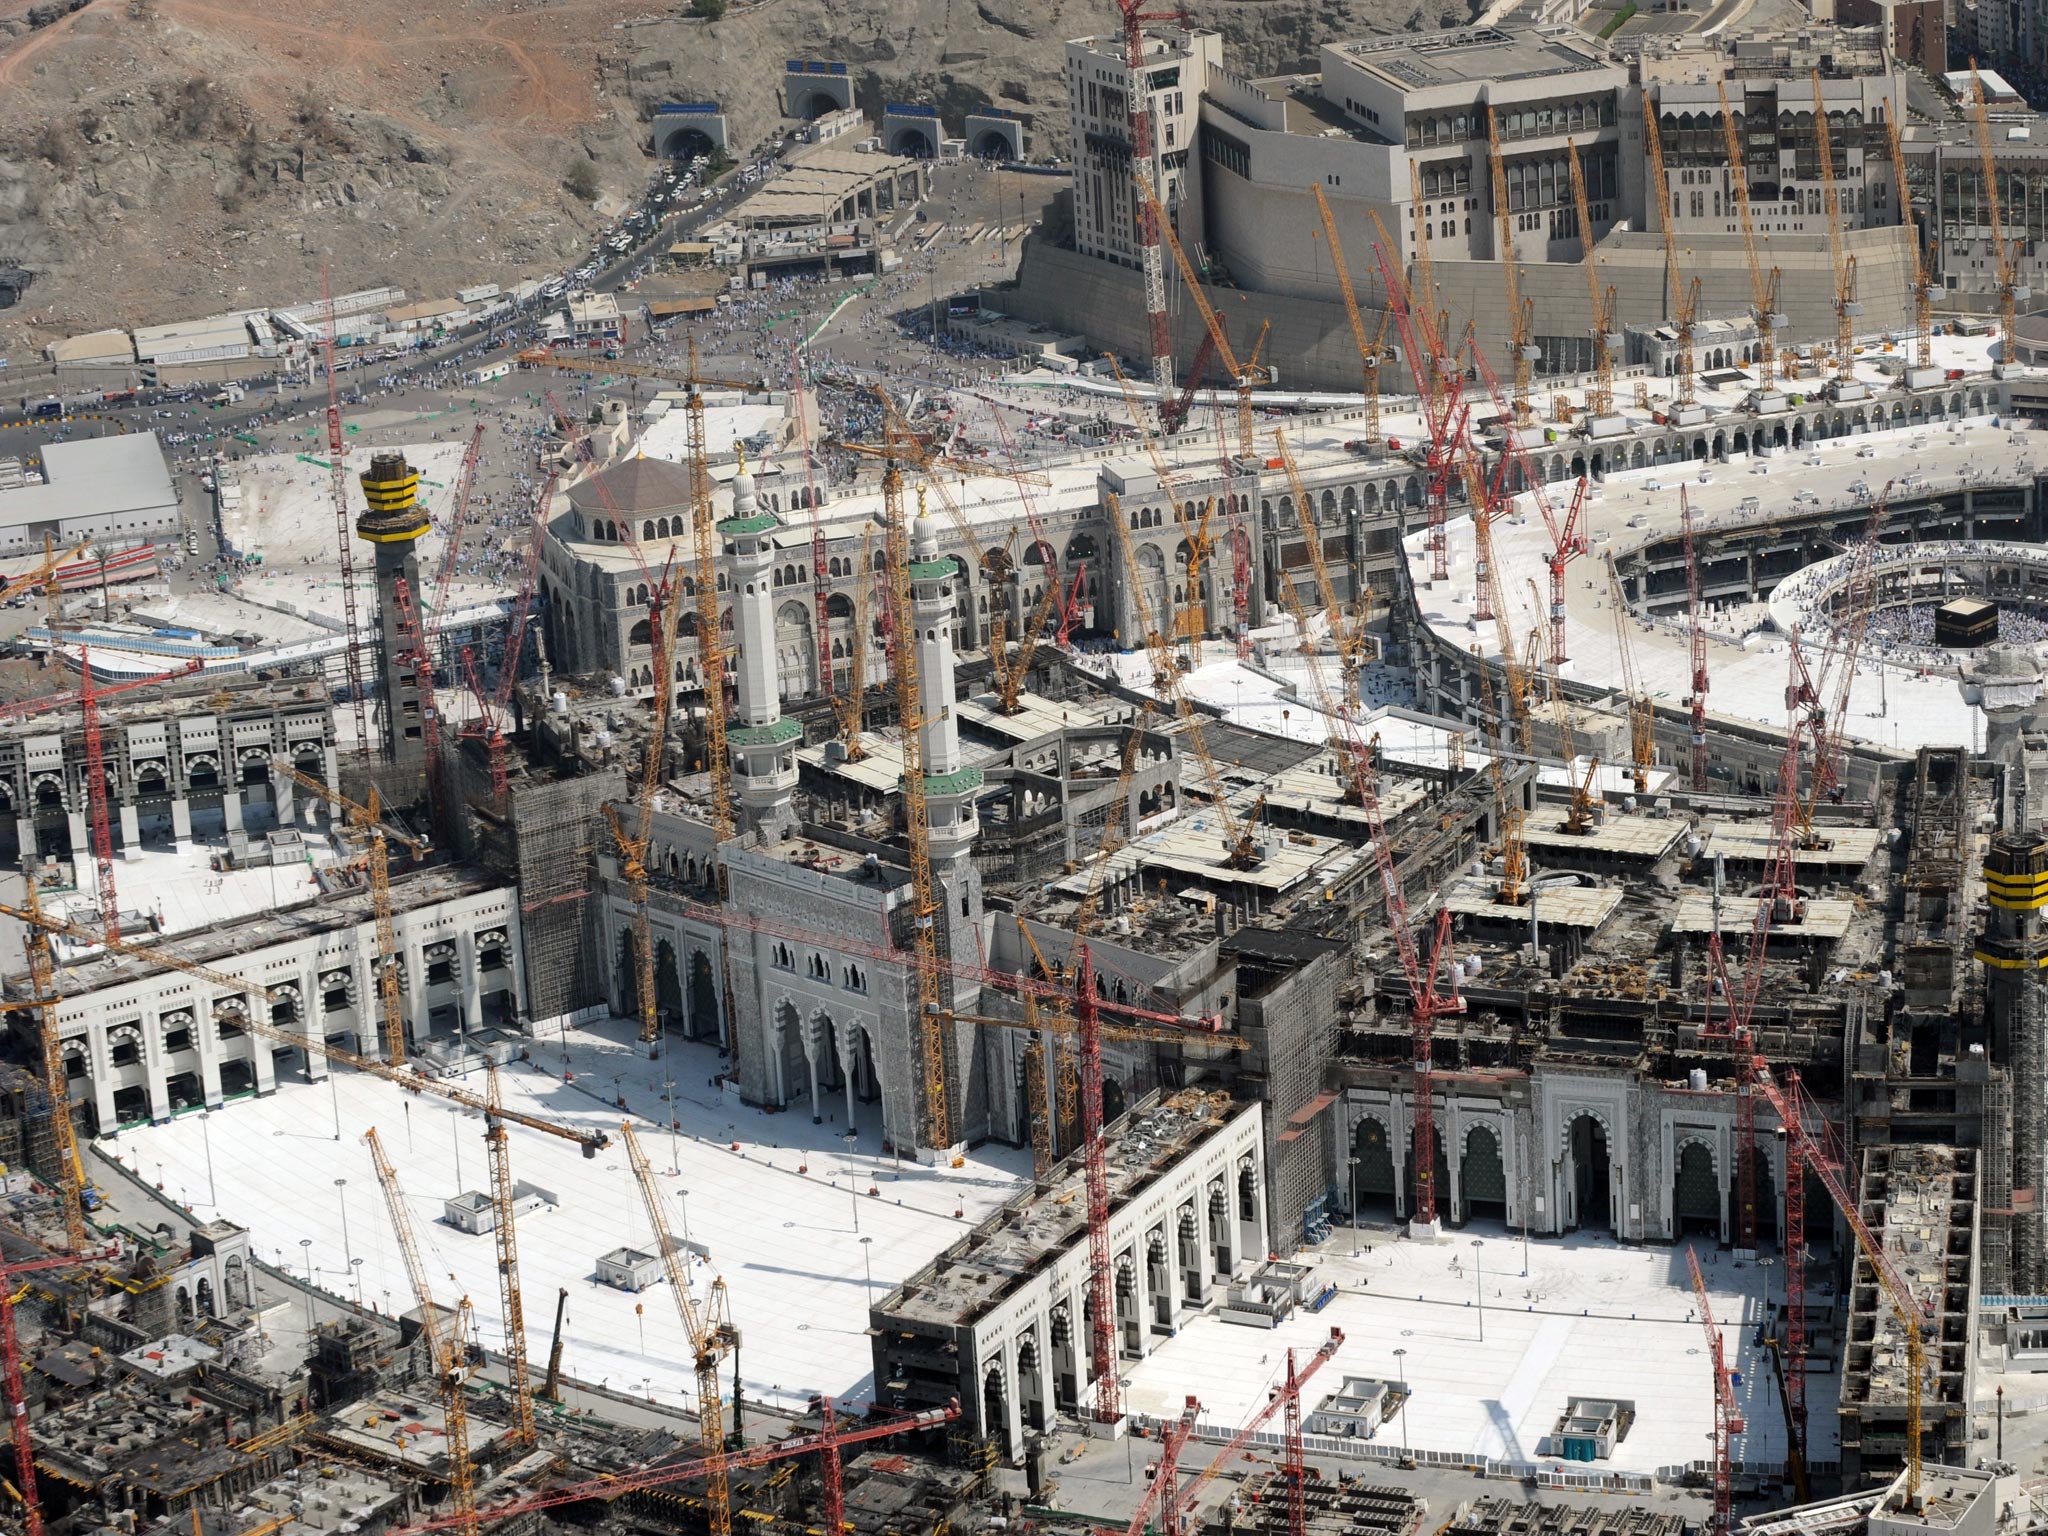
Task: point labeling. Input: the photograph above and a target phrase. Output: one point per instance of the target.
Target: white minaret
(949, 788)
(763, 743)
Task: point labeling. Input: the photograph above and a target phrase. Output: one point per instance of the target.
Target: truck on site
(229, 394)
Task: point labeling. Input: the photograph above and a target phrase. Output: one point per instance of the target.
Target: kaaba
(1965, 623)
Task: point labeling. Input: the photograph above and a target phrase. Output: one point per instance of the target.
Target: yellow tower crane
(1191, 619)
(934, 1038)
(1347, 631)
(368, 823)
(1847, 306)
(1683, 296)
(711, 1337)
(447, 1346)
(1370, 353)
(71, 1180)
(1763, 290)
(1422, 290)
(511, 1299)
(1240, 850)
(905, 444)
(1507, 806)
(1923, 289)
(1521, 312)
(1600, 398)
(1642, 715)
(1247, 376)
(2010, 291)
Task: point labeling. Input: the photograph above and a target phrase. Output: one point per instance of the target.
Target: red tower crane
(1297, 1379)
(102, 831)
(17, 1392)
(1567, 537)
(1151, 242)
(1425, 1003)
(834, 1437)
(1164, 1492)
(337, 468)
(492, 714)
(1293, 1468)
(1728, 1421)
(1697, 698)
(1441, 388)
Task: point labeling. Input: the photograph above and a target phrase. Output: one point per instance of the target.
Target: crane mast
(337, 469)
(711, 1338)
(1152, 222)
(42, 969)
(1369, 354)
(511, 1302)
(1847, 307)
(1684, 300)
(1696, 634)
(1642, 716)
(1600, 398)
(924, 915)
(1247, 375)
(1763, 290)
(1728, 1420)
(446, 1345)
(1521, 314)
(2010, 290)
(1923, 290)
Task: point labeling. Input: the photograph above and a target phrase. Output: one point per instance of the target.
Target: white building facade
(152, 1041)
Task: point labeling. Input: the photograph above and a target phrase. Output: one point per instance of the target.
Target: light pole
(1401, 1365)
(355, 1269)
(341, 1198)
(1479, 1285)
(1354, 1205)
(852, 1139)
(306, 1248)
(206, 1136)
(334, 1087)
(867, 1264)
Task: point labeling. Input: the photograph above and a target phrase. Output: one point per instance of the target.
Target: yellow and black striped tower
(393, 523)
(2014, 953)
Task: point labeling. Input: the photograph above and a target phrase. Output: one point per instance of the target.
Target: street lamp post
(306, 1248)
(355, 1268)
(206, 1136)
(1401, 1365)
(683, 1203)
(1354, 1205)
(1479, 1285)
(867, 1265)
(341, 1198)
(852, 1139)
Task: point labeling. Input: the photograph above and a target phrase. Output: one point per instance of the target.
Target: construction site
(1418, 959)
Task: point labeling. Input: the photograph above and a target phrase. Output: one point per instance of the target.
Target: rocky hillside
(163, 158)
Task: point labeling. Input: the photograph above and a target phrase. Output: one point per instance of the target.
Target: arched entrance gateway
(1586, 1174)
(1374, 1175)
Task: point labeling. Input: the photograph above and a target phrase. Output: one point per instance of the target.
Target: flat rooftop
(1011, 1245)
(776, 1216)
(1415, 62)
(225, 943)
(94, 477)
(1591, 1319)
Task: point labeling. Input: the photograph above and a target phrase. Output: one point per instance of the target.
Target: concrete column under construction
(392, 523)
(2014, 954)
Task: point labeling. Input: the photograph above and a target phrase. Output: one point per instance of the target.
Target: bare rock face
(159, 158)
